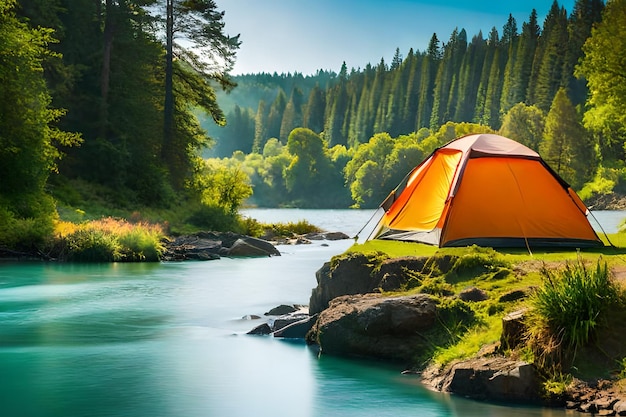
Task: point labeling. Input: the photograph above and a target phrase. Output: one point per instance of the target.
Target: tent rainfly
(487, 190)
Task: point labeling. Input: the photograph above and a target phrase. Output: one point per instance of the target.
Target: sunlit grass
(109, 239)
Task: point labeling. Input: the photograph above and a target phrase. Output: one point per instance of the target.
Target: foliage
(28, 233)
(604, 71)
(568, 309)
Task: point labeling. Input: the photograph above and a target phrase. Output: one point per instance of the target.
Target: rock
(262, 329)
(620, 408)
(346, 275)
(473, 294)
(358, 273)
(373, 326)
(513, 329)
(494, 379)
(296, 330)
(512, 296)
(251, 247)
(281, 310)
(326, 236)
(287, 319)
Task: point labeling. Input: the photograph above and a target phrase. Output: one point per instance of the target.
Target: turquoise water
(149, 340)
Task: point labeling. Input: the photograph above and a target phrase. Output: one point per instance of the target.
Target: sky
(287, 36)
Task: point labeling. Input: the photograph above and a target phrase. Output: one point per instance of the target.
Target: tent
(487, 190)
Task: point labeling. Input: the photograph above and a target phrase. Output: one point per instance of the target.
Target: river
(168, 340)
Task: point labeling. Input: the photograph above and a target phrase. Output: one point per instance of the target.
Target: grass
(109, 240)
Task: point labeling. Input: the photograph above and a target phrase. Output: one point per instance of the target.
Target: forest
(529, 82)
(116, 107)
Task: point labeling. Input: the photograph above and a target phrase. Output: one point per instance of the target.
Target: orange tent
(487, 190)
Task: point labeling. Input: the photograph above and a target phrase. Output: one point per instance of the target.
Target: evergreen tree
(411, 102)
(452, 55)
(524, 57)
(275, 117)
(429, 69)
(338, 105)
(510, 41)
(292, 117)
(314, 114)
(469, 79)
(547, 72)
(260, 128)
(482, 113)
(586, 13)
(211, 53)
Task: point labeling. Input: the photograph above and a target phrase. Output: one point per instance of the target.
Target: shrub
(92, 245)
(24, 234)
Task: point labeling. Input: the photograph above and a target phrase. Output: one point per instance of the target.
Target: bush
(92, 245)
(24, 234)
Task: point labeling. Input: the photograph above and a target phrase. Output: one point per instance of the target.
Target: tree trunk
(109, 30)
(168, 110)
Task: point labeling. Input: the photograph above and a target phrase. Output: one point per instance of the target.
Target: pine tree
(510, 41)
(547, 73)
(260, 128)
(292, 116)
(338, 109)
(471, 70)
(585, 14)
(275, 117)
(524, 61)
(428, 72)
(314, 113)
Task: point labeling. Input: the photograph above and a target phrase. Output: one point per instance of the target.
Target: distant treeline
(475, 80)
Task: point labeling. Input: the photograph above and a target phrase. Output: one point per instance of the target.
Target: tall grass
(110, 240)
(568, 308)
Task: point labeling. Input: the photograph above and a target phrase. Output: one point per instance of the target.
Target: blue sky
(304, 36)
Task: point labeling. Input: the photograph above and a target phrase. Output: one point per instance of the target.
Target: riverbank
(443, 317)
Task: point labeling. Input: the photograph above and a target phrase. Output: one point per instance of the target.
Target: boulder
(326, 236)
(473, 294)
(494, 379)
(252, 247)
(389, 328)
(261, 329)
(358, 273)
(288, 319)
(281, 310)
(346, 275)
(296, 330)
